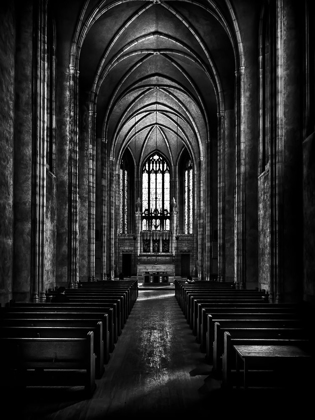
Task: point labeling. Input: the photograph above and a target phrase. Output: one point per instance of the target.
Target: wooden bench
(72, 308)
(188, 312)
(118, 300)
(260, 336)
(204, 305)
(62, 313)
(181, 286)
(192, 307)
(130, 285)
(229, 297)
(68, 306)
(62, 332)
(112, 303)
(65, 323)
(20, 356)
(192, 297)
(250, 321)
(206, 309)
(218, 340)
(270, 357)
(224, 300)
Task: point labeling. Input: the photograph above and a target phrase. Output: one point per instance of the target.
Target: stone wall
(23, 152)
(50, 233)
(229, 195)
(7, 69)
(309, 217)
(264, 259)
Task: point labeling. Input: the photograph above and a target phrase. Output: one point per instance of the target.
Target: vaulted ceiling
(160, 71)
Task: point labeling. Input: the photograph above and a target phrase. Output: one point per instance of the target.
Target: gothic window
(156, 194)
(124, 189)
(188, 198)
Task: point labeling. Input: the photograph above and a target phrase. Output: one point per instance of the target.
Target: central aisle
(156, 368)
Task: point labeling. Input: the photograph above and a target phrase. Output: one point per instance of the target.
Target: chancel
(158, 167)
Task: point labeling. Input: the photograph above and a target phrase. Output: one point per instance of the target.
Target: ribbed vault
(155, 72)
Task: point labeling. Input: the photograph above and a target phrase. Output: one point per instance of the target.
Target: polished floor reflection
(156, 371)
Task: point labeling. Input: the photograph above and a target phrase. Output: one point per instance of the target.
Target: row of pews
(249, 341)
(64, 343)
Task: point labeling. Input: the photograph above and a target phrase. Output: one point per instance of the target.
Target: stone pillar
(39, 157)
(112, 184)
(92, 197)
(221, 197)
(104, 207)
(209, 222)
(84, 194)
(73, 180)
(229, 176)
(23, 135)
(62, 169)
(239, 205)
(201, 218)
(7, 49)
(287, 160)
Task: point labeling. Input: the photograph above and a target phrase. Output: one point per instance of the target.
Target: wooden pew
(61, 355)
(181, 286)
(271, 357)
(192, 308)
(191, 296)
(122, 309)
(259, 336)
(62, 332)
(204, 309)
(63, 313)
(130, 285)
(250, 321)
(57, 323)
(112, 303)
(224, 300)
(109, 335)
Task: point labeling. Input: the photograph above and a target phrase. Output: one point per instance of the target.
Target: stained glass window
(156, 194)
(123, 198)
(188, 199)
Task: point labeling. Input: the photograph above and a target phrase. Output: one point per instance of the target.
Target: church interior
(151, 143)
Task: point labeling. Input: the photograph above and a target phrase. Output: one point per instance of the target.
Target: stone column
(209, 222)
(239, 205)
(73, 180)
(221, 197)
(62, 171)
(112, 183)
(229, 176)
(287, 159)
(92, 197)
(39, 157)
(201, 218)
(23, 135)
(84, 194)
(104, 206)
(7, 93)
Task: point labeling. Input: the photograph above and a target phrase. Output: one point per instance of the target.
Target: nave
(156, 371)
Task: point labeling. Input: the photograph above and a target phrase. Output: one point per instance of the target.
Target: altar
(155, 273)
(156, 277)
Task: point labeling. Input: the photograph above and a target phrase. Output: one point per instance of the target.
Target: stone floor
(156, 371)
